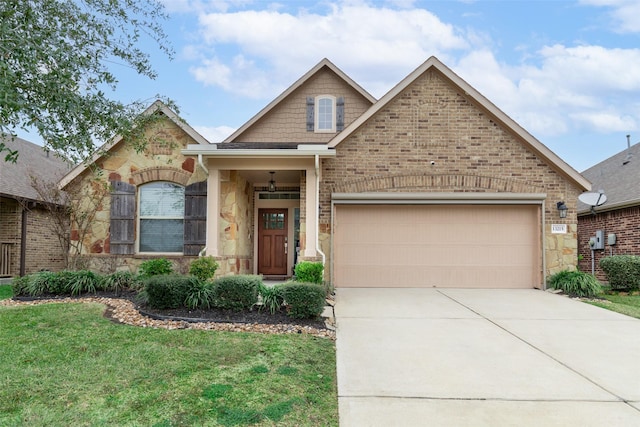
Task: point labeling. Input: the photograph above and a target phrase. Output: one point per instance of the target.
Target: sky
(566, 71)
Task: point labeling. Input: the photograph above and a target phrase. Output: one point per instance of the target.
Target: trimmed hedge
(575, 283)
(304, 300)
(168, 291)
(309, 272)
(622, 271)
(236, 292)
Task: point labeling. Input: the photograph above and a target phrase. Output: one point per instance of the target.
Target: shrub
(622, 271)
(155, 267)
(309, 272)
(304, 300)
(236, 292)
(575, 283)
(121, 280)
(272, 297)
(44, 282)
(204, 268)
(167, 290)
(79, 282)
(199, 294)
(20, 285)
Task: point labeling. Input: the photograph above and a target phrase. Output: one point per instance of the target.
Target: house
(431, 185)
(618, 177)
(26, 242)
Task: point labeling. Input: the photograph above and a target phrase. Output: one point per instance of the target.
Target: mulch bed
(122, 308)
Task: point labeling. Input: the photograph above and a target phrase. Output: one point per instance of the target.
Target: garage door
(467, 246)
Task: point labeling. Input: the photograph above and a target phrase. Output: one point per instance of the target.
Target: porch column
(213, 212)
(311, 214)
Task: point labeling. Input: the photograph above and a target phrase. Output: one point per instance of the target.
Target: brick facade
(43, 251)
(624, 223)
(432, 121)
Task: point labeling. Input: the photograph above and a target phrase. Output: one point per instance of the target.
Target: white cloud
(625, 14)
(214, 133)
(357, 36)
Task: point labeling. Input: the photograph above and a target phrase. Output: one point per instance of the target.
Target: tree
(55, 58)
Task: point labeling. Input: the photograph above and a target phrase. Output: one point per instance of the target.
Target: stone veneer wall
(432, 121)
(236, 211)
(624, 223)
(161, 160)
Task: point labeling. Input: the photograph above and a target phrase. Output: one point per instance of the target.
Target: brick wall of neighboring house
(43, 250)
(624, 223)
(287, 121)
(10, 225)
(161, 160)
(431, 121)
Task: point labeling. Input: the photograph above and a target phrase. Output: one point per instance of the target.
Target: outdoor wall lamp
(562, 209)
(272, 183)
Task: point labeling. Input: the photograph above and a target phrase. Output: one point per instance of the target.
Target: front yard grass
(5, 292)
(65, 364)
(620, 302)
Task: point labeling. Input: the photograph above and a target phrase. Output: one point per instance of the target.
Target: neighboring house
(430, 186)
(618, 177)
(27, 243)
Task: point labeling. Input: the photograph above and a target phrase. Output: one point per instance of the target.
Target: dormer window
(325, 113)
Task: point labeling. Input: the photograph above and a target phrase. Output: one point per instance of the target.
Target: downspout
(23, 243)
(324, 257)
(206, 171)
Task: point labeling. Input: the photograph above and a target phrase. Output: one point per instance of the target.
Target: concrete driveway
(466, 357)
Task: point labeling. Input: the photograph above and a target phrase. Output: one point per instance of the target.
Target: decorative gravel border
(123, 311)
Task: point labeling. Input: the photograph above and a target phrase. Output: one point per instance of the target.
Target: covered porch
(261, 206)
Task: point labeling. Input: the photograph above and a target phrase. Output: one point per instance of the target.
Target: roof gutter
(301, 151)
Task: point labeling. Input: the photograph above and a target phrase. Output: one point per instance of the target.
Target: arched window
(161, 218)
(325, 114)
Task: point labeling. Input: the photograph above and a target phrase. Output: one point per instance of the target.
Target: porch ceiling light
(562, 209)
(272, 183)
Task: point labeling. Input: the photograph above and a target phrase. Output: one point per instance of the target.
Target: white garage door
(465, 246)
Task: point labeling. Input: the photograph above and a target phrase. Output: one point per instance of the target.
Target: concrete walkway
(463, 357)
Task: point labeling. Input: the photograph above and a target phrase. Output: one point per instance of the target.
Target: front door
(272, 242)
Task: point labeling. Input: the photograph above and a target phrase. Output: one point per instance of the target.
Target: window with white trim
(161, 217)
(325, 114)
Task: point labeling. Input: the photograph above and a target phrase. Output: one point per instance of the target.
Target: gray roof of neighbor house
(619, 178)
(33, 160)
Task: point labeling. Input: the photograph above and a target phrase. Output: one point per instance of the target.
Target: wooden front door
(272, 242)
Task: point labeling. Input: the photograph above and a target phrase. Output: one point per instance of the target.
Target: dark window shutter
(195, 218)
(340, 114)
(310, 115)
(123, 210)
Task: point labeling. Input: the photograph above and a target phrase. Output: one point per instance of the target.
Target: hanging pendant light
(272, 183)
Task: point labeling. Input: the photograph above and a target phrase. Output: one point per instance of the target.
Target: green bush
(309, 272)
(622, 271)
(20, 285)
(272, 297)
(120, 281)
(575, 283)
(155, 267)
(236, 292)
(79, 282)
(167, 290)
(304, 300)
(199, 294)
(61, 283)
(204, 268)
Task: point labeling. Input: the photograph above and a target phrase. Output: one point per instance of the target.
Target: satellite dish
(593, 199)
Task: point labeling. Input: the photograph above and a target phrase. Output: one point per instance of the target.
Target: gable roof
(480, 101)
(620, 181)
(33, 160)
(157, 106)
(298, 83)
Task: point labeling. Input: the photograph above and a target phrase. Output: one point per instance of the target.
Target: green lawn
(5, 292)
(64, 364)
(621, 303)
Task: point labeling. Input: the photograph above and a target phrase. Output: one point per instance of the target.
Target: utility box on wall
(611, 239)
(599, 240)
